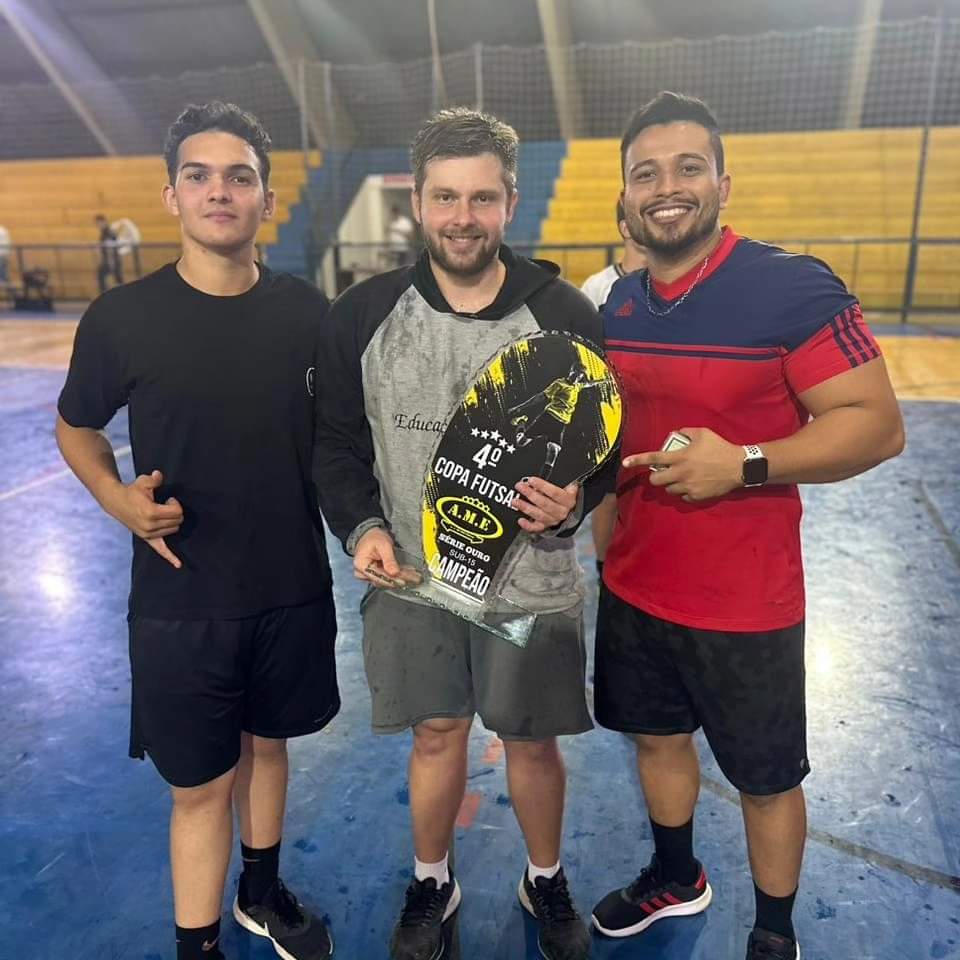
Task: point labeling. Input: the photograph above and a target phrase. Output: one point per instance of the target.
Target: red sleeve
(840, 345)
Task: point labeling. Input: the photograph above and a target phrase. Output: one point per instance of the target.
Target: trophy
(547, 406)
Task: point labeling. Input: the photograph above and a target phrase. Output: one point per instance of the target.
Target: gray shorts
(422, 662)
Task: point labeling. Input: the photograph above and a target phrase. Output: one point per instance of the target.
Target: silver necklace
(686, 293)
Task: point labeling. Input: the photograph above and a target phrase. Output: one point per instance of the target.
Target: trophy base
(498, 616)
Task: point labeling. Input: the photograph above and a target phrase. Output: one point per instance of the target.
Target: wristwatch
(754, 466)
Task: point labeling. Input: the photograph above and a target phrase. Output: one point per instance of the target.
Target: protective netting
(901, 74)
(836, 78)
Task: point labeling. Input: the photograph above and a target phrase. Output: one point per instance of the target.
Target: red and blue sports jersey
(760, 328)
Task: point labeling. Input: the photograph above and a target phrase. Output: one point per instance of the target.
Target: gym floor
(85, 869)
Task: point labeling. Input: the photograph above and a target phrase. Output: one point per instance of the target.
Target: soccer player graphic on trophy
(548, 413)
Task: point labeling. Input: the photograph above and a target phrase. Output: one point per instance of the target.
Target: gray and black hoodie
(395, 361)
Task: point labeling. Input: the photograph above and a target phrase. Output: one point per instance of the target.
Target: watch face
(755, 472)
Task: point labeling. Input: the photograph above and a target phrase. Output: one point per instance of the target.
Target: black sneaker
(563, 935)
(294, 932)
(418, 934)
(764, 945)
(630, 910)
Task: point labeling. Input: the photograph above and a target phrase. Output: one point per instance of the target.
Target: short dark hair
(667, 107)
(621, 213)
(462, 132)
(217, 115)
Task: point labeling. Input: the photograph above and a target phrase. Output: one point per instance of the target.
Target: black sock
(775, 913)
(260, 869)
(674, 846)
(191, 941)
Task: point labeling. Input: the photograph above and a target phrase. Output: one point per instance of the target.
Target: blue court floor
(83, 848)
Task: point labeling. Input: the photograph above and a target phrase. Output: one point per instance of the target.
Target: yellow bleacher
(788, 187)
(54, 202)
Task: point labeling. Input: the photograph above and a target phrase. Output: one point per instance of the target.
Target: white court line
(51, 477)
(43, 870)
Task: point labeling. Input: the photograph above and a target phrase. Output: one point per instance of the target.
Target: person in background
(110, 263)
(597, 287)
(5, 249)
(400, 237)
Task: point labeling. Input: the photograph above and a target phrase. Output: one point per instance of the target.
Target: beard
(461, 265)
(672, 241)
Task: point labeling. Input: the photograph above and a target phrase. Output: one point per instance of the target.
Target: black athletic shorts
(745, 689)
(197, 684)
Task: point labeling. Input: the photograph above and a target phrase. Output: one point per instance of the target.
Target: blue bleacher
(332, 187)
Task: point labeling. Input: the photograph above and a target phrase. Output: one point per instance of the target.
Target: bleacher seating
(790, 187)
(805, 191)
(54, 202)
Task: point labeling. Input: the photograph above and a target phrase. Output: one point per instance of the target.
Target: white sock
(534, 871)
(437, 870)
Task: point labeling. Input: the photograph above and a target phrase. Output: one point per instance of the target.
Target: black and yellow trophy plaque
(545, 406)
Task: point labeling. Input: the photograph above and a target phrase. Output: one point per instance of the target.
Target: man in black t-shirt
(232, 623)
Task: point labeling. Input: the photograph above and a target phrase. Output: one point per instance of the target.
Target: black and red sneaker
(630, 910)
(765, 945)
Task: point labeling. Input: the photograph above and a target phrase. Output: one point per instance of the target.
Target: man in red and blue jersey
(763, 361)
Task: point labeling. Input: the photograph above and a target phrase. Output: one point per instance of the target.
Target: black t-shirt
(220, 396)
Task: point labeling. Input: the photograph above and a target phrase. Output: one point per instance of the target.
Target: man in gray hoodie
(402, 349)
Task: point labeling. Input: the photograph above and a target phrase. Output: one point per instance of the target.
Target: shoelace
(286, 906)
(647, 885)
(553, 900)
(424, 903)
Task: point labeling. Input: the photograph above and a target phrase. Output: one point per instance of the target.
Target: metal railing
(879, 270)
(73, 269)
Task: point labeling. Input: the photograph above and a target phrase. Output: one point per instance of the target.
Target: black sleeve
(561, 305)
(604, 481)
(97, 381)
(347, 489)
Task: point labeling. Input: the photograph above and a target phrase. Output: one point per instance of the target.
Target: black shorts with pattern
(745, 689)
